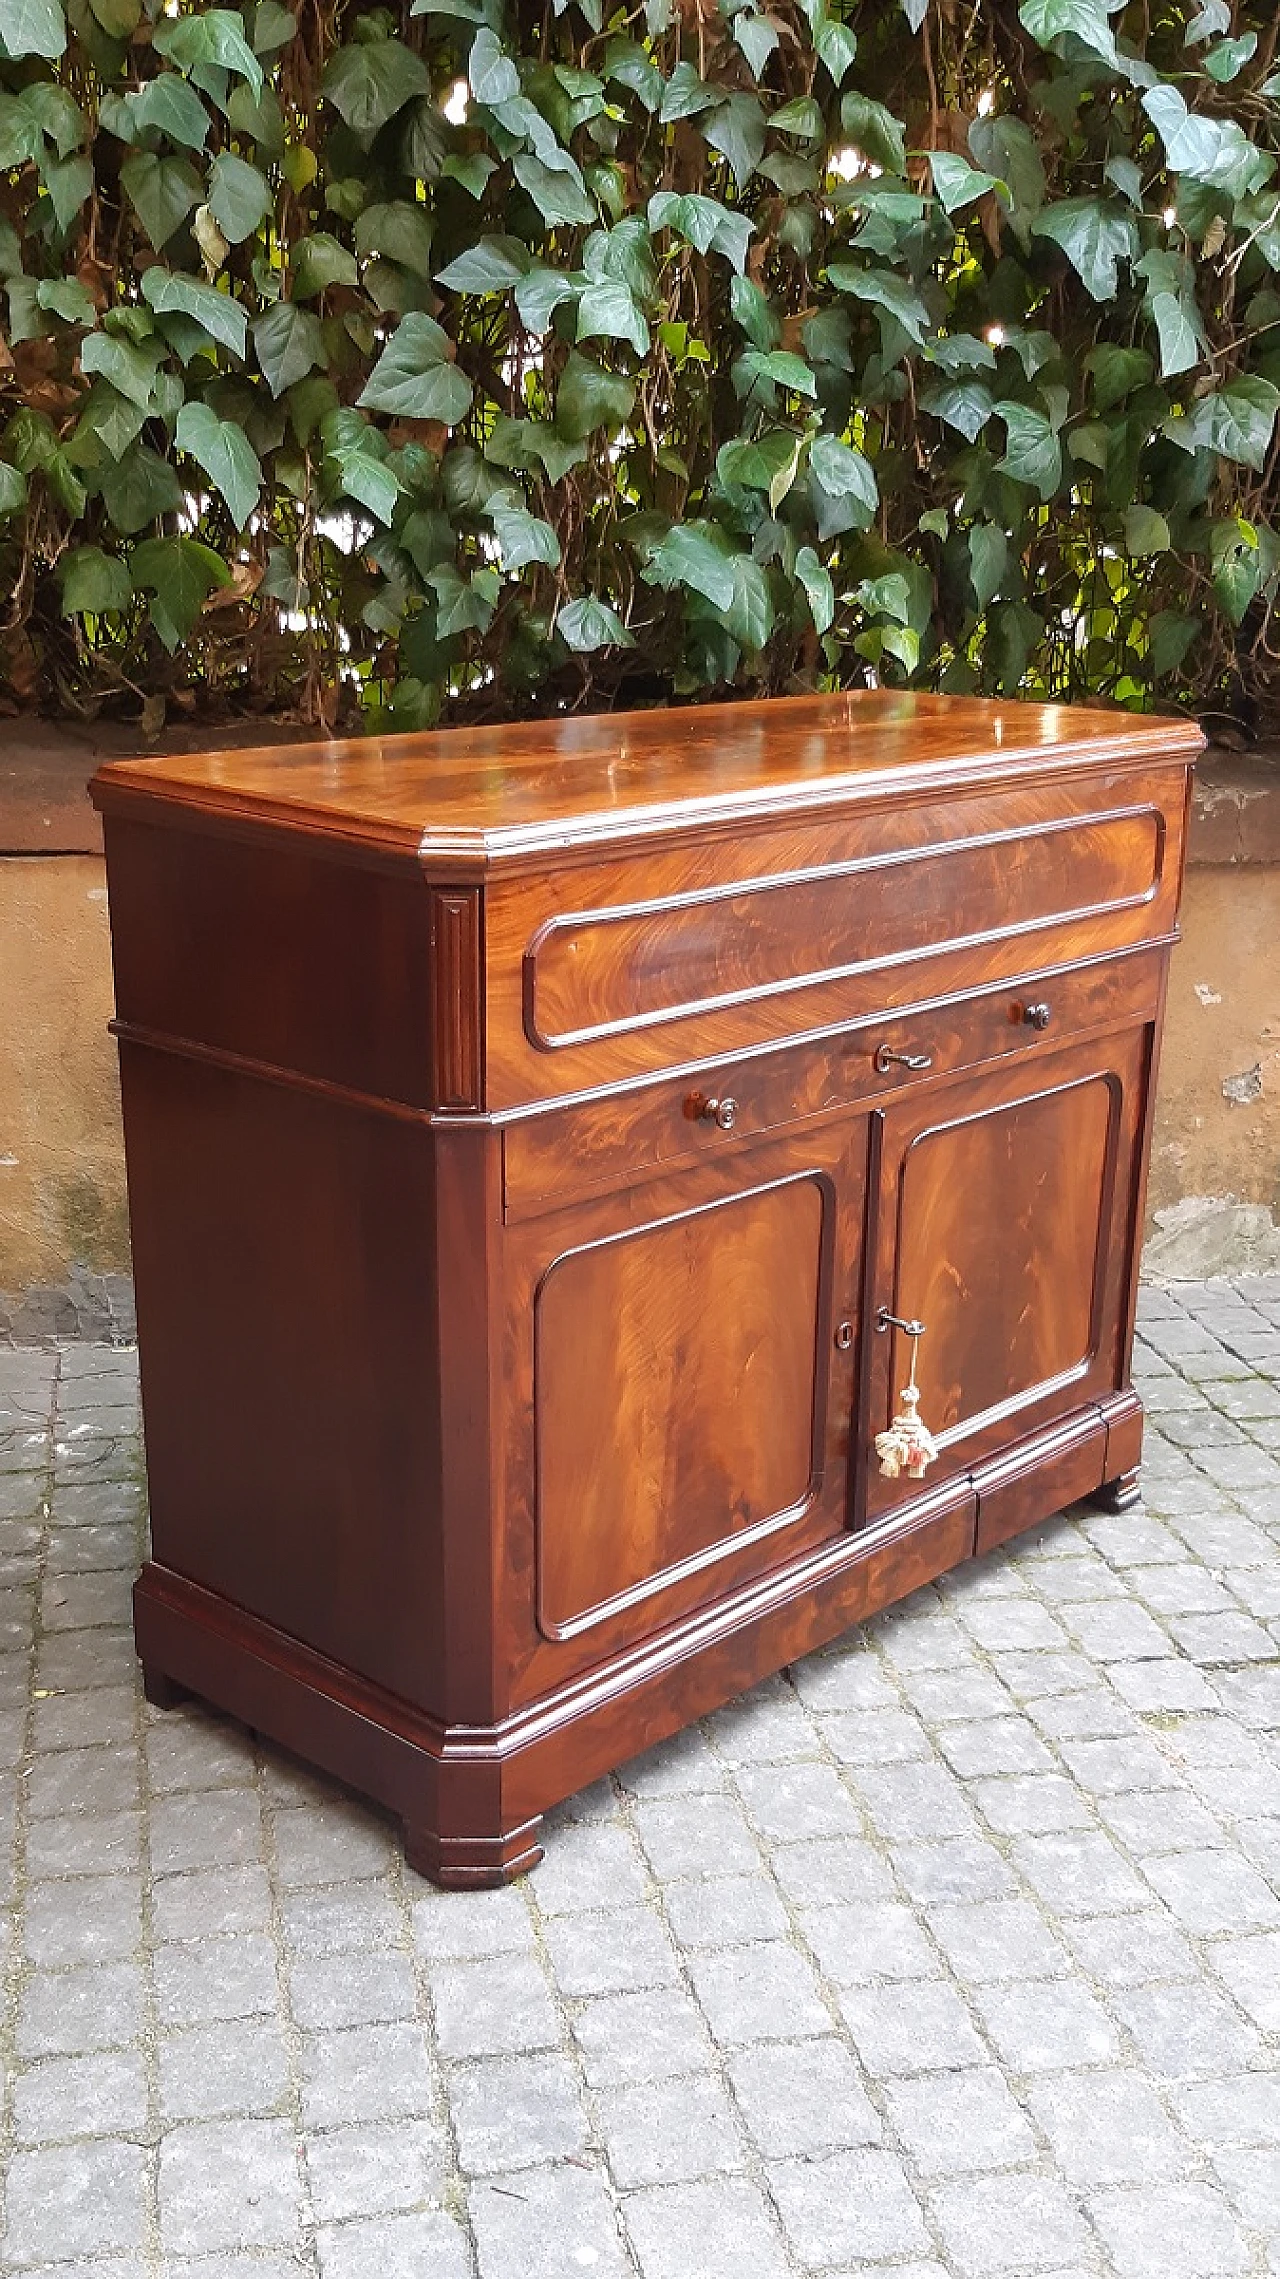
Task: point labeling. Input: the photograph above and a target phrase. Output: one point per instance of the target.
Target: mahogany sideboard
(532, 1135)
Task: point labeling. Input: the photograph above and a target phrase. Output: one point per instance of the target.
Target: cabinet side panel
(274, 953)
(284, 1259)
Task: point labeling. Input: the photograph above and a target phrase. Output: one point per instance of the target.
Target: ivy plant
(476, 358)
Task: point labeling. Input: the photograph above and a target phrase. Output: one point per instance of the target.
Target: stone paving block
(670, 2132)
(847, 1676)
(84, 2199)
(964, 1695)
(982, 1748)
(721, 2230)
(86, 1720)
(100, 2096)
(339, 1919)
(802, 2098)
(93, 1781)
(396, 2247)
(911, 2029)
(379, 2169)
(452, 1926)
(94, 1919)
(906, 1803)
(543, 2224)
(1170, 2231)
(94, 1844)
(956, 2124)
(188, 1748)
(1031, 1804)
(1241, 2110)
(790, 1803)
(767, 1726)
(874, 1736)
(366, 2073)
(335, 1842)
(1079, 1874)
(854, 1946)
(610, 1954)
(493, 2008)
(515, 2111)
(966, 1867)
(930, 1639)
(351, 1990)
(1131, 1950)
(755, 1994)
(995, 1940)
(725, 1911)
(1182, 2032)
(223, 2071)
(212, 1902)
(849, 2207)
(72, 2012)
(225, 2184)
(641, 2037)
(1157, 1821)
(828, 1872)
(594, 1865)
(684, 1836)
(82, 1550)
(80, 1601)
(682, 1766)
(1047, 2024)
(1107, 2128)
(1251, 2182)
(1214, 1891)
(1109, 1767)
(210, 1979)
(1251, 1969)
(1008, 2222)
(205, 1828)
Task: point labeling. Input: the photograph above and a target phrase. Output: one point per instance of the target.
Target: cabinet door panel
(680, 1378)
(678, 1391)
(1006, 1217)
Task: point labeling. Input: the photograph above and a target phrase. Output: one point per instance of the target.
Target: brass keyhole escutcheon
(716, 1111)
(844, 1337)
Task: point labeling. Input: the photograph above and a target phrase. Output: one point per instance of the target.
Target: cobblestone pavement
(956, 1950)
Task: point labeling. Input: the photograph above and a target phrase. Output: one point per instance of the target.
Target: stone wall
(1215, 1177)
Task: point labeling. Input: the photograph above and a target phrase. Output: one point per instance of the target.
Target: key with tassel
(908, 1446)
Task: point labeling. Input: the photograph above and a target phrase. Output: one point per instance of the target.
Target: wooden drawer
(573, 1151)
(599, 972)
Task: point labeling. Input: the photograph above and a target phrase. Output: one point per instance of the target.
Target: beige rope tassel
(908, 1445)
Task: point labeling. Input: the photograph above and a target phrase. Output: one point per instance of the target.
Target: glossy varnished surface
(488, 792)
(504, 1411)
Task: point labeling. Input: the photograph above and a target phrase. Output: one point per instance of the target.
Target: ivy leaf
(1236, 422)
(1084, 20)
(524, 538)
(289, 343)
(956, 183)
(13, 488)
(464, 605)
(371, 81)
(988, 556)
(846, 486)
(472, 171)
(961, 352)
(539, 295)
(68, 299)
(759, 465)
(749, 617)
(400, 232)
(1214, 17)
(489, 266)
(915, 12)
(1094, 236)
(238, 196)
(179, 574)
(106, 420)
(226, 455)
(167, 106)
(627, 65)
(223, 319)
(874, 132)
(1227, 60)
(1034, 454)
(93, 582)
(129, 370)
(208, 36)
(1116, 372)
(414, 377)
(1237, 566)
(884, 291)
(589, 398)
(685, 95)
(737, 130)
(139, 489)
(836, 47)
(162, 192)
(492, 75)
(320, 262)
(1171, 635)
(1006, 147)
(1145, 532)
(757, 38)
(607, 312)
(1215, 151)
(69, 182)
(557, 191)
(704, 222)
(1178, 335)
(966, 405)
(753, 314)
(689, 556)
(588, 624)
(819, 591)
(801, 116)
(33, 27)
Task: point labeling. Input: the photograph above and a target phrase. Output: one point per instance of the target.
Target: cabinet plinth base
(160, 1691)
(1120, 1494)
(472, 1863)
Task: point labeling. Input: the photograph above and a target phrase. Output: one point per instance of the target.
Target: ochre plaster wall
(62, 1199)
(1222, 1024)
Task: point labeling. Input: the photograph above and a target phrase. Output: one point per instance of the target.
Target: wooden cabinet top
(459, 800)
